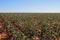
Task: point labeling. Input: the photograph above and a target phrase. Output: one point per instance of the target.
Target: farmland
(47, 24)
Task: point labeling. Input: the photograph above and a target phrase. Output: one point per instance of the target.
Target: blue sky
(29, 5)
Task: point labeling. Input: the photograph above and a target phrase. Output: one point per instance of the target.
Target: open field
(43, 26)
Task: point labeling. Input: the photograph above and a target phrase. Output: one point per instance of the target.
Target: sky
(29, 5)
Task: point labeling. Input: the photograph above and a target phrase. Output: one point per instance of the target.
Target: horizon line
(28, 12)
